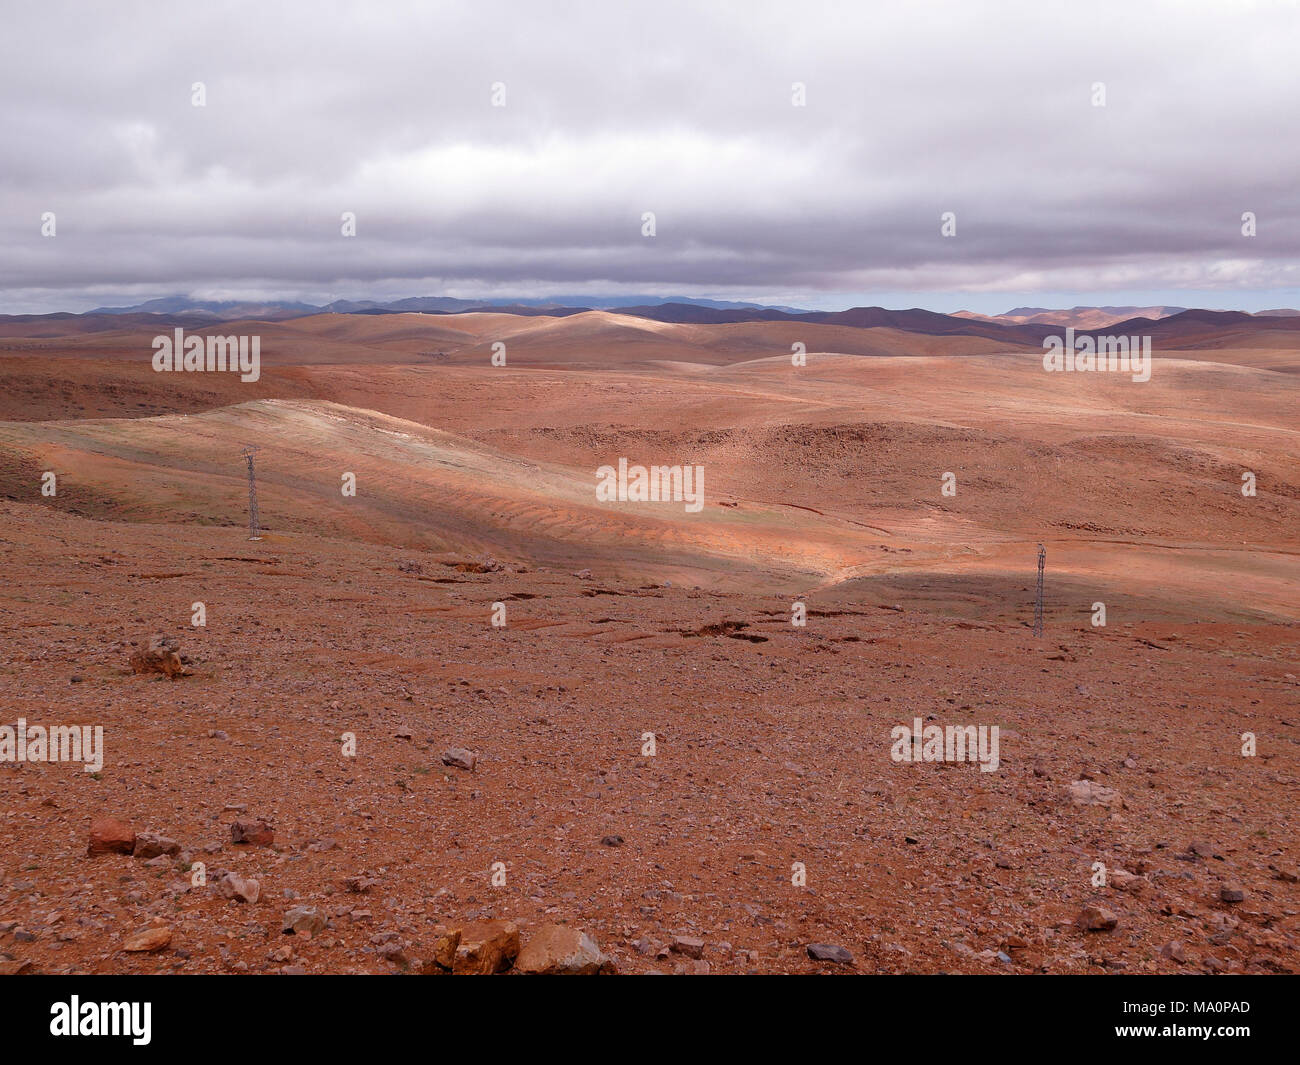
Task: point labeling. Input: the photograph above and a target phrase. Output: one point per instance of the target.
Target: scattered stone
(829, 952)
(556, 949)
(460, 758)
(258, 833)
(1090, 793)
(394, 952)
(234, 886)
(1123, 880)
(152, 845)
(110, 836)
(304, 921)
(147, 940)
(1097, 919)
(161, 656)
(688, 945)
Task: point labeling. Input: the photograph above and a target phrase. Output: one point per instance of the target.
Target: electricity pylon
(254, 531)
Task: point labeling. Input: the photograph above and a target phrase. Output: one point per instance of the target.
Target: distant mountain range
(675, 309)
(226, 310)
(1019, 327)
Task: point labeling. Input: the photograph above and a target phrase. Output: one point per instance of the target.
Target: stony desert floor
(770, 815)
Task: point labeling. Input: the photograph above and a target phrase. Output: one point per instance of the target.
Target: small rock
(612, 841)
(234, 886)
(1174, 952)
(829, 952)
(147, 940)
(108, 836)
(1097, 919)
(444, 948)
(460, 758)
(161, 656)
(258, 833)
(1232, 893)
(1123, 880)
(688, 945)
(152, 845)
(1090, 793)
(303, 921)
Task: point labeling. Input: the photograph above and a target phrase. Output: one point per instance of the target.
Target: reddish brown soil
(773, 742)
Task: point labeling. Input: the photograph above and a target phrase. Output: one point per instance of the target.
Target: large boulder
(558, 949)
(486, 947)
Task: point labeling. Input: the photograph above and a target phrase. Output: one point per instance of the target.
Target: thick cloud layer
(613, 110)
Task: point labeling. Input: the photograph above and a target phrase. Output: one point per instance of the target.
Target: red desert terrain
(350, 729)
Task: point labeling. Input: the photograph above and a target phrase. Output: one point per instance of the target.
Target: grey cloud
(612, 110)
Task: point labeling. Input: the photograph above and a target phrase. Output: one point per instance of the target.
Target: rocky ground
(769, 831)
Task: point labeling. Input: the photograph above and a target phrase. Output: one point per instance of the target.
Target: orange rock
(259, 833)
(444, 950)
(147, 940)
(109, 835)
(557, 949)
(161, 656)
(486, 947)
(1097, 919)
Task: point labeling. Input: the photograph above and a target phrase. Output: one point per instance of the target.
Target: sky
(910, 111)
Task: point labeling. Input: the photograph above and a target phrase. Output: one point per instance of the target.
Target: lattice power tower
(254, 530)
(1038, 599)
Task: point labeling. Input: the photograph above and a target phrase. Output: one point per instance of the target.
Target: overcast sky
(615, 109)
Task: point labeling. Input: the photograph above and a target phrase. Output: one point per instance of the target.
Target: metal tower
(1038, 600)
(254, 530)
